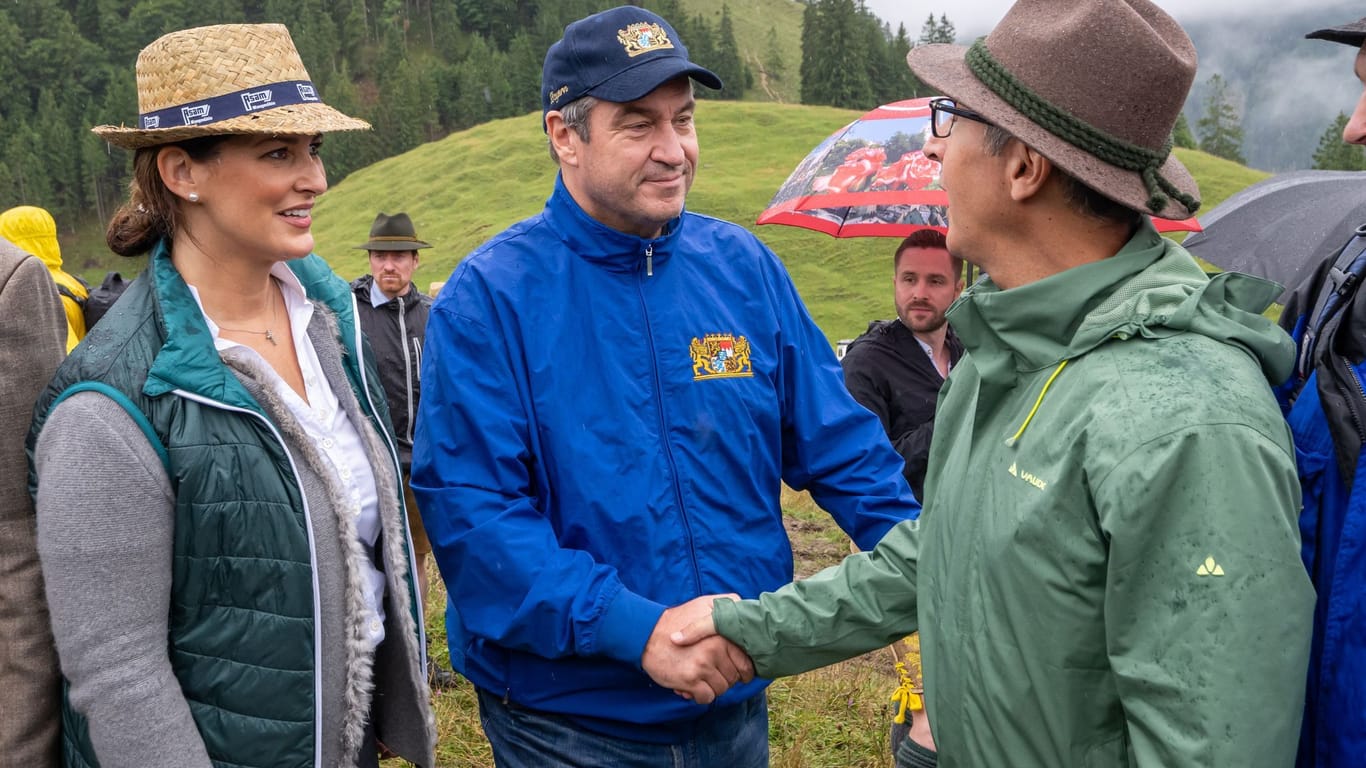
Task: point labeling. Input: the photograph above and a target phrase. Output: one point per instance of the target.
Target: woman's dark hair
(150, 213)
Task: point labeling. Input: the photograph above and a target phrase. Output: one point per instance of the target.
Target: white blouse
(327, 425)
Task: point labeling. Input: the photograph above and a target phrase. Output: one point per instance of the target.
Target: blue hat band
(230, 105)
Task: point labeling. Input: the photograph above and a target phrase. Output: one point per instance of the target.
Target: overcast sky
(1288, 90)
(973, 18)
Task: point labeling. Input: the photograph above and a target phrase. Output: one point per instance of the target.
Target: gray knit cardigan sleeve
(105, 517)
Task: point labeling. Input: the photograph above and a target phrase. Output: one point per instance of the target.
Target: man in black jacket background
(393, 314)
(895, 369)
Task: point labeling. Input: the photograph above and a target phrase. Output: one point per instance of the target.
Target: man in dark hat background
(1323, 402)
(1106, 571)
(393, 315)
(614, 392)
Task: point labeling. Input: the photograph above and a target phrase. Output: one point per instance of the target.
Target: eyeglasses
(942, 114)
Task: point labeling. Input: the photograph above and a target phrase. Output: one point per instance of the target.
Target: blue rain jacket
(1325, 406)
(605, 426)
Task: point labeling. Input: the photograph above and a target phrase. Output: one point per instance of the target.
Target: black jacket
(396, 331)
(888, 372)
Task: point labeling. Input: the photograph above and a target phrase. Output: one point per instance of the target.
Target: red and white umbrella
(871, 178)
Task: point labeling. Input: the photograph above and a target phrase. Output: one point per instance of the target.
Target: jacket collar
(188, 360)
(1152, 288)
(361, 287)
(894, 335)
(601, 245)
(1033, 326)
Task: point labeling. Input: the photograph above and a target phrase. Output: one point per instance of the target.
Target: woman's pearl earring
(194, 197)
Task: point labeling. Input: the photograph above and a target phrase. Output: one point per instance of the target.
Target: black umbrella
(1281, 227)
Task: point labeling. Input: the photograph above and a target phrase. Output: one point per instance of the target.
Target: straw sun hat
(229, 78)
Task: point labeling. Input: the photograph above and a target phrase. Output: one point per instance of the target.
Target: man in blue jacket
(615, 391)
(1324, 404)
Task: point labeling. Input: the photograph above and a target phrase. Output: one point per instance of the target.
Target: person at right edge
(1323, 402)
(1107, 567)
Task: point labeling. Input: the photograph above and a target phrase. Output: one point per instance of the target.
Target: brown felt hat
(1094, 85)
(393, 233)
(1353, 34)
(225, 79)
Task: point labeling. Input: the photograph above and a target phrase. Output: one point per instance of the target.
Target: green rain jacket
(1107, 566)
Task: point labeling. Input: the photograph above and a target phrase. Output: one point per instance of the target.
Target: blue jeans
(731, 737)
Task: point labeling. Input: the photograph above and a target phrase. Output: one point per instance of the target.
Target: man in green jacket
(1106, 571)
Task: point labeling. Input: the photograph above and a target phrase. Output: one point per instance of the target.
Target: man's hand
(703, 669)
(920, 730)
(697, 630)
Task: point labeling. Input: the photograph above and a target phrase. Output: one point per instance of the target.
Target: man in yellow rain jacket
(33, 230)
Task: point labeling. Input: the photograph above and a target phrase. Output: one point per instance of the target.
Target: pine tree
(728, 65)
(835, 48)
(947, 33)
(774, 66)
(1334, 154)
(813, 59)
(701, 42)
(900, 83)
(1221, 129)
(941, 31)
(1181, 133)
(928, 31)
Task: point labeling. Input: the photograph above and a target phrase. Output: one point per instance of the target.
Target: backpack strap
(1338, 286)
(67, 292)
(135, 412)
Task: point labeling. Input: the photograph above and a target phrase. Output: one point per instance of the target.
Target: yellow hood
(33, 230)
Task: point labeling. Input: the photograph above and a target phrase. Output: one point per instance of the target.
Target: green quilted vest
(242, 637)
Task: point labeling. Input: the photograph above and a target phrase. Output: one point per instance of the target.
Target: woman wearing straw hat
(221, 529)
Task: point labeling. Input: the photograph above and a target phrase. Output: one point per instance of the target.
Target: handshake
(686, 654)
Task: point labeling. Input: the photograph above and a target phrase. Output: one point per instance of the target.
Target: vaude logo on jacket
(1028, 477)
(720, 356)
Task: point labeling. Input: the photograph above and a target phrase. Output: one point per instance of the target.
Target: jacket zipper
(664, 422)
(407, 367)
(1354, 403)
(312, 561)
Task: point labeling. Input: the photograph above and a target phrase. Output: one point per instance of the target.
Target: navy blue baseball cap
(618, 55)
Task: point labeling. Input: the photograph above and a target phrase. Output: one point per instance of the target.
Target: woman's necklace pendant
(271, 338)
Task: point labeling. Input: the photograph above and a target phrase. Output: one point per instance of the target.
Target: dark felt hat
(617, 55)
(1353, 34)
(1096, 86)
(393, 233)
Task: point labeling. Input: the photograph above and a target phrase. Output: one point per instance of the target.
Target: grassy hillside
(752, 20)
(467, 187)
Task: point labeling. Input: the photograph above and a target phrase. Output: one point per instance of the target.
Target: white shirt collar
(377, 297)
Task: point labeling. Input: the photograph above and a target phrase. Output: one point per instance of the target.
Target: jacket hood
(600, 244)
(1151, 288)
(33, 230)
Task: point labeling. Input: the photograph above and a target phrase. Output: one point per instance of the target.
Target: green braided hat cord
(1079, 133)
